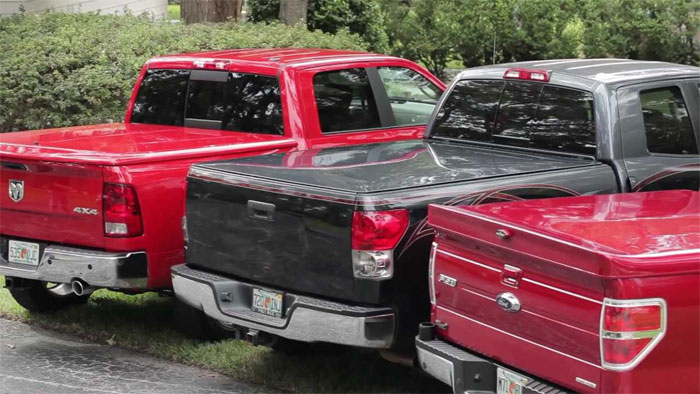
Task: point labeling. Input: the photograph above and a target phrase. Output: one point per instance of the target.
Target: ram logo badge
(85, 211)
(16, 190)
(508, 302)
(452, 282)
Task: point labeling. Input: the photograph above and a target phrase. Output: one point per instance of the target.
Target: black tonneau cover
(395, 165)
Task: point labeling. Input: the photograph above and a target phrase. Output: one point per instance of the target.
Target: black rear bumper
(466, 372)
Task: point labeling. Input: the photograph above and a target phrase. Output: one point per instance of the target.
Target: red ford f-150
(595, 294)
(101, 206)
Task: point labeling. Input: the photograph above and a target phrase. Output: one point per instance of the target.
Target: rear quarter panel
(671, 367)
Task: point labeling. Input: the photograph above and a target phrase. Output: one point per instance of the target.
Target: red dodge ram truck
(102, 206)
(594, 294)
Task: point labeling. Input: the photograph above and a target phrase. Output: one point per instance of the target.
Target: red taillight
(629, 330)
(527, 74)
(634, 318)
(121, 212)
(378, 230)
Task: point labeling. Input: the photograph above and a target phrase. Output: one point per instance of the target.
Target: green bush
(642, 29)
(362, 17)
(61, 69)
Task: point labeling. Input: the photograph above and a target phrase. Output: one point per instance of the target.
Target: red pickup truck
(592, 294)
(102, 206)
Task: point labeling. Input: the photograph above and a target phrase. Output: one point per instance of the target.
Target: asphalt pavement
(33, 360)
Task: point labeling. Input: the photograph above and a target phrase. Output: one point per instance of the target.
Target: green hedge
(61, 69)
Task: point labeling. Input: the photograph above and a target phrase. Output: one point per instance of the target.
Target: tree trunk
(195, 11)
(293, 11)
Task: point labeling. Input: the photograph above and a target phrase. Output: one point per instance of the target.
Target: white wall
(157, 8)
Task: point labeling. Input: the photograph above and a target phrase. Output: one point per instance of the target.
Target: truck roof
(592, 72)
(276, 57)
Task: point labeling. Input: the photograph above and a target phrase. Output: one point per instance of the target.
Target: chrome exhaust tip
(81, 288)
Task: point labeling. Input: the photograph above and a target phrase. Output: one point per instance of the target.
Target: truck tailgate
(483, 270)
(50, 201)
(250, 229)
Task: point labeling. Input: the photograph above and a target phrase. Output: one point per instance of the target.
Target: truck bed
(305, 244)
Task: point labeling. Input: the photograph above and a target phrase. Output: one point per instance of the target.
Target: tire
(194, 324)
(43, 297)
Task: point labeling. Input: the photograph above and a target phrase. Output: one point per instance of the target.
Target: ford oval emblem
(508, 302)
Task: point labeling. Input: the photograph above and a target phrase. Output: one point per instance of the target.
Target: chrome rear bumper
(305, 319)
(60, 264)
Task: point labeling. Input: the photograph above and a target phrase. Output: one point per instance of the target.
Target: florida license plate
(508, 382)
(267, 302)
(20, 252)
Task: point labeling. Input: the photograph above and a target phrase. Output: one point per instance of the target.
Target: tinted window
(255, 105)
(240, 102)
(412, 96)
(564, 121)
(666, 121)
(468, 111)
(205, 100)
(161, 98)
(519, 113)
(345, 101)
(518, 104)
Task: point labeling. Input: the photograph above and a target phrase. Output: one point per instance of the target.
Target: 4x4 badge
(16, 190)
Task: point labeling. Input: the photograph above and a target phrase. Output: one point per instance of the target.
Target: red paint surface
(573, 253)
(66, 167)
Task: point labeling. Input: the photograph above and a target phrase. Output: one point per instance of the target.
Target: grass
(174, 12)
(144, 323)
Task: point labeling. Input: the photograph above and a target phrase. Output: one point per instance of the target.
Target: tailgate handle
(510, 276)
(261, 210)
(13, 166)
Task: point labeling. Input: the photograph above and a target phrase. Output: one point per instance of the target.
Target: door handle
(261, 210)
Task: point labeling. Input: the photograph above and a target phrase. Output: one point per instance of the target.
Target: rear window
(161, 98)
(207, 99)
(529, 114)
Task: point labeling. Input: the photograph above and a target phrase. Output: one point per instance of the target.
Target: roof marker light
(211, 64)
(527, 74)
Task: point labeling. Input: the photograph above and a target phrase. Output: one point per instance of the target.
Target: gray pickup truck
(332, 245)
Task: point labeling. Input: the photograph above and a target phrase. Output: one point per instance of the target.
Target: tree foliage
(479, 32)
(361, 17)
(642, 29)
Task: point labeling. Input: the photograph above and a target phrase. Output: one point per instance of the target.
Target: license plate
(267, 302)
(509, 383)
(20, 252)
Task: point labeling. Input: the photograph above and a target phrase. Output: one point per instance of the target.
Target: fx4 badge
(85, 211)
(16, 190)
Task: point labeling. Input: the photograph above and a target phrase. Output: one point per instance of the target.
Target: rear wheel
(38, 296)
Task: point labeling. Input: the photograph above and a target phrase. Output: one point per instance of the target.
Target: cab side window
(345, 101)
(412, 96)
(666, 122)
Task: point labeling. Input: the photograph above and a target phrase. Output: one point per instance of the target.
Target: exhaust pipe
(81, 288)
